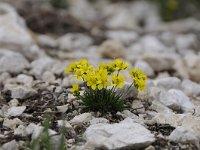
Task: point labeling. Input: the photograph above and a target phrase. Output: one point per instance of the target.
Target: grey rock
(70, 42)
(20, 131)
(47, 41)
(39, 66)
(193, 68)
(121, 18)
(13, 102)
(160, 108)
(48, 77)
(64, 123)
(165, 61)
(87, 14)
(4, 76)
(85, 117)
(145, 12)
(12, 25)
(142, 65)
(63, 108)
(20, 92)
(183, 135)
(25, 80)
(12, 123)
(185, 41)
(16, 110)
(30, 128)
(98, 120)
(168, 83)
(12, 62)
(151, 44)
(126, 134)
(125, 37)
(177, 100)
(190, 88)
(112, 49)
(12, 145)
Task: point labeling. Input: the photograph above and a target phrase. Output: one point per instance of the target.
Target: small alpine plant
(101, 83)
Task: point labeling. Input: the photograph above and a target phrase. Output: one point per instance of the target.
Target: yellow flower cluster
(139, 79)
(104, 75)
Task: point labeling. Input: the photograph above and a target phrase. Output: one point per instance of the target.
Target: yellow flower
(75, 90)
(97, 79)
(118, 80)
(109, 67)
(139, 79)
(80, 68)
(72, 67)
(118, 65)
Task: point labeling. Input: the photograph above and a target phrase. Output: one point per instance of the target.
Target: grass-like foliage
(101, 84)
(105, 100)
(44, 139)
(59, 3)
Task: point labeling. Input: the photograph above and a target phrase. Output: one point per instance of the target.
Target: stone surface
(165, 61)
(87, 14)
(12, 25)
(25, 79)
(13, 102)
(39, 66)
(48, 77)
(168, 83)
(12, 123)
(177, 100)
(126, 134)
(47, 41)
(183, 135)
(12, 145)
(185, 120)
(85, 117)
(20, 131)
(70, 42)
(20, 92)
(151, 44)
(16, 110)
(12, 62)
(112, 49)
(190, 88)
(160, 108)
(98, 120)
(125, 37)
(142, 65)
(192, 62)
(63, 108)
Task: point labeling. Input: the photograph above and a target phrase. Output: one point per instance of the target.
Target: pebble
(82, 118)
(184, 135)
(16, 110)
(176, 100)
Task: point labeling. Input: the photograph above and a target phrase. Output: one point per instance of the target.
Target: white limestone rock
(126, 134)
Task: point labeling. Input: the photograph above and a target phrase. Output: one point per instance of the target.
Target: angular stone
(126, 134)
(184, 135)
(85, 117)
(12, 62)
(177, 100)
(190, 88)
(16, 110)
(168, 83)
(70, 42)
(12, 145)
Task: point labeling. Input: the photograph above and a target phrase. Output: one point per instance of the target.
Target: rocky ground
(37, 43)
